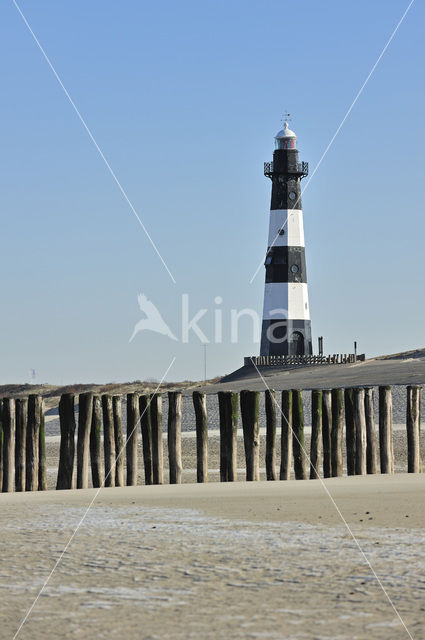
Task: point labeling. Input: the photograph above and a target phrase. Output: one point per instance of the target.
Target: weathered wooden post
(108, 440)
(228, 410)
(371, 449)
(65, 479)
(316, 433)
(157, 449)
(175, 436)
(222, 401)
(85, 407)
(96, 443)
(271, 422)
(119, 441)
(298, 444)
(200, 406)
(146, 429)
(21, 408)
(42, 462)
(336, 433)
(286, 435)
(1, 444)
(9, 426)
(326, 431)
(350, 431)
(386, 450)
(360, 426)
(250, 413)
(413, 418)
(33, 442)
(131, 447)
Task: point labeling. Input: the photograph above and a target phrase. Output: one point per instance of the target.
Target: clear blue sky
(184, 99)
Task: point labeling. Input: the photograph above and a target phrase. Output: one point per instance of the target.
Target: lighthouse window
(281, 232)
(269, 259)
(294, 268)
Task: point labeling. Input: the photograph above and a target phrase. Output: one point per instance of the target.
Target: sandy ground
(263, 560)
(241, 560)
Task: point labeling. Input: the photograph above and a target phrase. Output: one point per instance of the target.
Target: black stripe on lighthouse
(286, 185)
(286, 337)
(286, 264)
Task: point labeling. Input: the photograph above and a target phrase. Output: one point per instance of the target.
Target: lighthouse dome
(285, 132)
(286, 138)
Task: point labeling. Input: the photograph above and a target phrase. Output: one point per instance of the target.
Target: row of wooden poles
(22, 444)
(327, 425)
(23, 454)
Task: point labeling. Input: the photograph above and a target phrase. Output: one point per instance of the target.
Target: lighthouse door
(297, 343)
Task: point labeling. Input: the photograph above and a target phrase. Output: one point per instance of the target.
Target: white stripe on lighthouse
(286, 301)
(291, 222)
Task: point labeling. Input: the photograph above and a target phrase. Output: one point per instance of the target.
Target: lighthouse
(286, 327)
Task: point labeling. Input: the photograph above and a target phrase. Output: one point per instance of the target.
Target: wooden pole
(222, 401)
(96, 443)
(21, 407)
(350, 431)
(85, 408)
(108, 440)
(232, 435)
(146, 429)
(413, 418)
(119, 441)
(131, 446)
(1, 444)
(157, 448)
(386, 451)
(298, 444)
(175, 436)
(316, 433)
(42, 462)
(360, 426)
(250, 413)
(33, 442)
(9, 429)
(270, 405)
(326, 431)
(371, 449)
(286, 435)
(200, 406)
(228, 410)
(336, 433)
(65, 479)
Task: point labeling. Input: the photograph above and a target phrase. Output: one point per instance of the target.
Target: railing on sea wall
(275, 361)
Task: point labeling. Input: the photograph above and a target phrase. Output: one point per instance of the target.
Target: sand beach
(237, 560)
(317, 560)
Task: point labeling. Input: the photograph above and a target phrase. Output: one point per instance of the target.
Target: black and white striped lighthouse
(286, 328)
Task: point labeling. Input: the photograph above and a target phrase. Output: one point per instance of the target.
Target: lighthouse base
(286, 338)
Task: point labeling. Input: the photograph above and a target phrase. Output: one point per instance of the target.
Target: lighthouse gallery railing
(302, 169)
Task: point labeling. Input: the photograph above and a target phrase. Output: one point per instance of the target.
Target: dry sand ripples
(156, 573)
